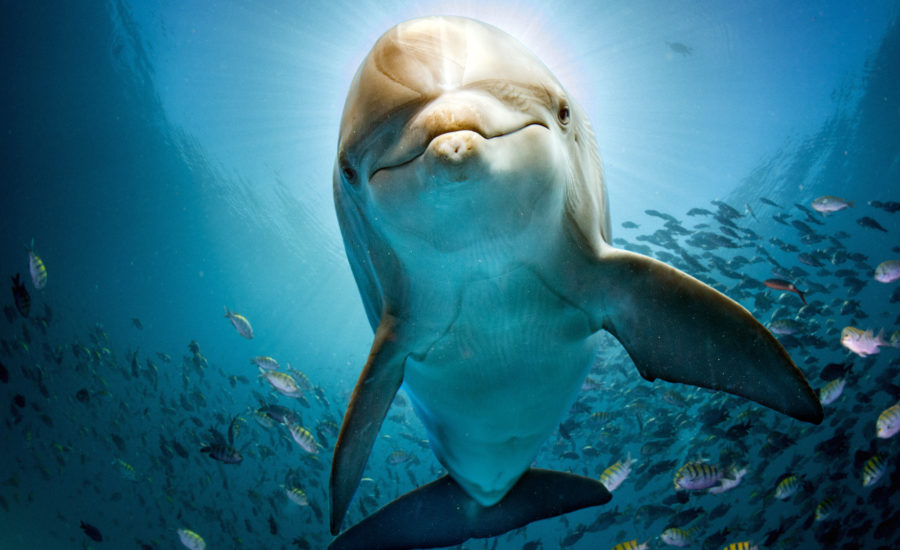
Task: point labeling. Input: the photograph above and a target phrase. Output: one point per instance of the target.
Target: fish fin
(442, 514)
(227, 313)
(378, 383)
(680, 330)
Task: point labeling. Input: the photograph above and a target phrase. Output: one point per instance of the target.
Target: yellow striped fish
(282, 383)
(888, 423)
(296, 495)
(265, 362)
(240, 323)
(302, 379)
(824, 509)
(745, 545)
(303, 438)
(873, 469)
(697, 476)
(673, 536)
(36, 268)
(125, 469)
(191, 539)
(831, 391)
(613, 476)
(600, 418)
(787, 487)
(630, 545)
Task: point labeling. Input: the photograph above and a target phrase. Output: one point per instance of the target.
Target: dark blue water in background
(171, 161)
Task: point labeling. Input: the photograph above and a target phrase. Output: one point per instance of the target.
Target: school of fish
(163, 431)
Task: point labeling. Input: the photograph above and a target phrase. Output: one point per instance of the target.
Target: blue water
(172, 160)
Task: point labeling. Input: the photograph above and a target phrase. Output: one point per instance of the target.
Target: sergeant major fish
(303, 438)
(222, 449)
(191, 540)
(785, 327)
(787, 487)
(240, 323)
(36, 268)
(888, 423)
(282, 382)
(697, 476)
(613, 476)
(296, 495)
(675, 536)
(824, 508)
(888, 271)
(831, 391)
(278, 413)
(862, 343)
(873, 469)
(265, 362)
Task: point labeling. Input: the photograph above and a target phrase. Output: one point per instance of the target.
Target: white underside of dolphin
(471, 199)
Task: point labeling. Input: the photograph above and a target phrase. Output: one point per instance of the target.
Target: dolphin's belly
(497, 383)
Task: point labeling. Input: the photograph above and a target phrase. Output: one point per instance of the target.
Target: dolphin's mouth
(419, 152)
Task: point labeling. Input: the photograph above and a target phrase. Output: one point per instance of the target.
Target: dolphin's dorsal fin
(378, 383)
(442, 514)
(680, 330)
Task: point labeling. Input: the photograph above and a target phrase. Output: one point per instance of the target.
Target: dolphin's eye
(348, 172)
(563, 114)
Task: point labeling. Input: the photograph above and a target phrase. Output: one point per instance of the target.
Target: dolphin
(470, 196)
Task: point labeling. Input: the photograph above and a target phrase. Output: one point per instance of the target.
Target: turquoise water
(169, 161)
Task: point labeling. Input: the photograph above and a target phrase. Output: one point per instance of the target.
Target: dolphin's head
(454, 133)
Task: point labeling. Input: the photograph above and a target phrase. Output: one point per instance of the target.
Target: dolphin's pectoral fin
(680, 330)
(442, 514)
(372, 397)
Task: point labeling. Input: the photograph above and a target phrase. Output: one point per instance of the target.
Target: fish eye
(563, 114)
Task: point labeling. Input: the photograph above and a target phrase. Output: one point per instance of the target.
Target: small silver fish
(674, 536)
(787, 487)
(36, 268)
(873, 469)
(828, 204)
(697, 476)
(303, 438)
(831, 391)
(785, 326)
(241, 324)
(282, 383)
(265, 362)
(191, 540)
(888, 423)
(613, 476)
(887, 271)
(862, 343)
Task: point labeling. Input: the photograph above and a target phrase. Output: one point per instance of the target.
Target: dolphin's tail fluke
(442, 514)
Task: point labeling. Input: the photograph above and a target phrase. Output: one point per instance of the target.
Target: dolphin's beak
(475, 110)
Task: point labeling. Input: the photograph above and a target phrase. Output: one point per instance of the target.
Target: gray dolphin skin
(470, 195)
